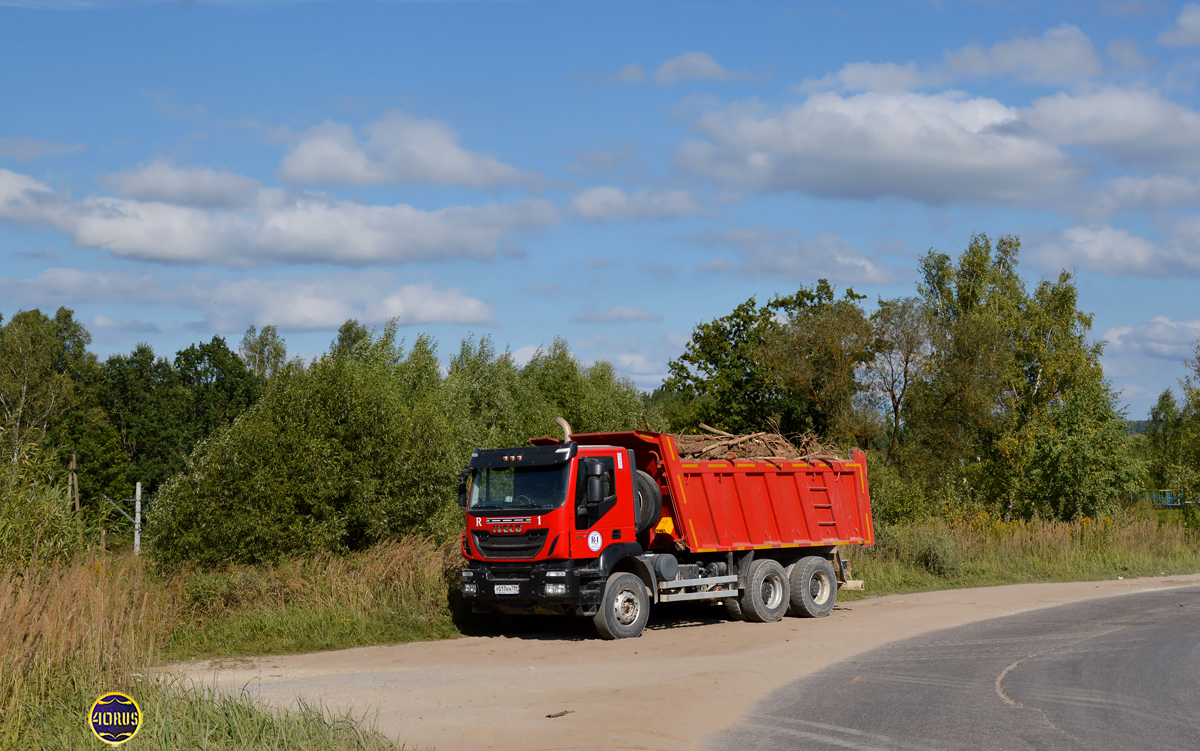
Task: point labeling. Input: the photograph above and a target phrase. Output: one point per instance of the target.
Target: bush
(37, 521)
(895, 499)
(364, 446)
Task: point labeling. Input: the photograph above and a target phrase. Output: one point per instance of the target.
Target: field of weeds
(982, 551)
(69, 632)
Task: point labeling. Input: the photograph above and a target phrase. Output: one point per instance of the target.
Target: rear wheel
(732, 608)
(814, 587)
(765, 598)
(624, 608)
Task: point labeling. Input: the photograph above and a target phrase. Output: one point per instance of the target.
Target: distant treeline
(976, 397)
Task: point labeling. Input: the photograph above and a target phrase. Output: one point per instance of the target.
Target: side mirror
(462, 487)
(595, 482)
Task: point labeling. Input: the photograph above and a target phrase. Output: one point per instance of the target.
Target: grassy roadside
(393, 593)
(980, 552)
(70, 632)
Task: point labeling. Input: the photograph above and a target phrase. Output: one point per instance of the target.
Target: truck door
(612, 520)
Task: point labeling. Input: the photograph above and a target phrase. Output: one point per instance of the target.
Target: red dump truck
(604, 525)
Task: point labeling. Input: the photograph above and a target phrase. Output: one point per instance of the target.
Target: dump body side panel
(716, 506)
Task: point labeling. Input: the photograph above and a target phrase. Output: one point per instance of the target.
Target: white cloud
(1153, 193)
(280, 227)
(615, 314)
(609, 202)
(399, 149)
(522, 355)
(1186, 30)
(869, 77)
(937, 148)
(26, 149)
(127, 324)
(322, 303)
(1125, 53)
(1063, 54)
(693, 66)
(1116, 252)
(631, 73)
(786, 255)
(195, 186)
(64, 286)
(1123, 124)
(1142, 349)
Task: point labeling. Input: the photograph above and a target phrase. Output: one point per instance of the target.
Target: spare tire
(648, 502)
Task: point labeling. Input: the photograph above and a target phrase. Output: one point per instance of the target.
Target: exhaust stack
(566, 428)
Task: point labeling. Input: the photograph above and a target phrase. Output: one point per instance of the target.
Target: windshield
(510, 488)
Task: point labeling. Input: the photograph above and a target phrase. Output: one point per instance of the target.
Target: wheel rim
(771, 591)
(626, 608)
(819, 587)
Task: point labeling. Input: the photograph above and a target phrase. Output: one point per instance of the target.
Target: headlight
(556, 573)
(467, 573)
(469, 589)
(556, 590)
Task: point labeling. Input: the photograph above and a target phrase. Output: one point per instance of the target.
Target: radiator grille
(510, 546)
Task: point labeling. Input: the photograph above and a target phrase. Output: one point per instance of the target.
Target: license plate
(508, 589)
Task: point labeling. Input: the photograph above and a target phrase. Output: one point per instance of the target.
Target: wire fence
(1164, 498)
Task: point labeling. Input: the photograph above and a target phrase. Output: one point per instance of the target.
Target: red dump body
(739, 504)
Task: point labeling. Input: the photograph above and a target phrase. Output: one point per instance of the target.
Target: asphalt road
(1114, 673)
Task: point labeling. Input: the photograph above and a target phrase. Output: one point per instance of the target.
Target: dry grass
(395, 592)
(981, 551)
(68, 632)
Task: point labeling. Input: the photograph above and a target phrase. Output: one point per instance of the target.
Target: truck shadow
(559, 628)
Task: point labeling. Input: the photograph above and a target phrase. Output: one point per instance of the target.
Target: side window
(609, 480)
(590, 516)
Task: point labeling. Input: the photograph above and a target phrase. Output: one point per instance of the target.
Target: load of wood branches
(766, 445)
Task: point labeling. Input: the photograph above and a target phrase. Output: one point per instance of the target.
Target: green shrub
(365, 444)
(37, 520)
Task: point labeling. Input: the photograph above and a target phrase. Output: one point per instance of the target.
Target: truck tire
(649, 502)
(624, 607)
(733, 609)
(766, 597)
(814, 587)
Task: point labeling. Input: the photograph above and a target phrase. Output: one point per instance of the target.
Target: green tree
(337, 456)
(1080, 460)
(351, 334)
(592, 398)
(817, 355)
(900, 356)
(150, 407)
(1007, 368)
(40, 357)
(1166, 434)
(220, 386)
(264, 352)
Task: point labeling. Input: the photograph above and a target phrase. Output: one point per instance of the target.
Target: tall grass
(69, 632)
(981, 551)
(393, 592)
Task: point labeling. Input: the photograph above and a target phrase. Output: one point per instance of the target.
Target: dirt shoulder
(687, 676)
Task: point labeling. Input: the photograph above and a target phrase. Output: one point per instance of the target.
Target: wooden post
(137, 520)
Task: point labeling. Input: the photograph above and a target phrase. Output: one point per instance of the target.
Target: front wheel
(624, 608)
(814, 587)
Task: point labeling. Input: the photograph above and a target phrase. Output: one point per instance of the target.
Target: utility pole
(137, 520)
(73, 482)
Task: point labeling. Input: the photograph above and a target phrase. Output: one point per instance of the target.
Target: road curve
(1117, 673)
(691, 674)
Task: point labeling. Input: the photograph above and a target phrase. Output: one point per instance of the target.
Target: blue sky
(609, 172)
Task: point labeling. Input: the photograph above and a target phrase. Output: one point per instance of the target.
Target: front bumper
(556, 587)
